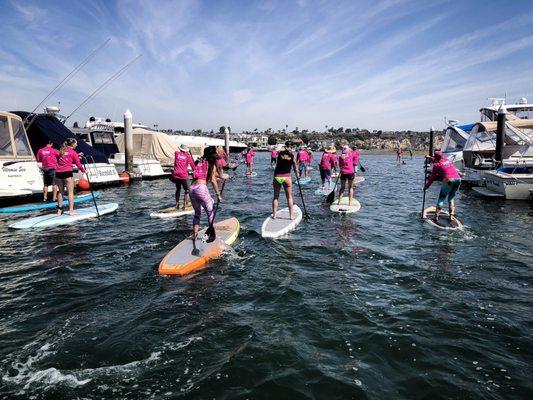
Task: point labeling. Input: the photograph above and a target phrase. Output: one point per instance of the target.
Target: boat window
(103, 138)
(21, 140)
(84, 137)
(5, 139)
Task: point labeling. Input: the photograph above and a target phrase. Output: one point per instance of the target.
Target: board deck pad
(51, 220)
(46, 206)
(343, 207)
(444, 221)
(172, 212)
(181, 260)
(273, 228)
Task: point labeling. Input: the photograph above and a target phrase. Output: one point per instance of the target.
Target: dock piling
(500, 135)
(431, 137)
(226, 140)
(128, 141)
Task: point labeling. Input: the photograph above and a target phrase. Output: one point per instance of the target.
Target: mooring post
(128, 141)
(500, 135)
(226, 141)
(431, 137)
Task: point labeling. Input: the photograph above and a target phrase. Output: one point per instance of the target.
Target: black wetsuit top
(284, 163)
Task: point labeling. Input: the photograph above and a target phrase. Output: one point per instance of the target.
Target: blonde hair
(67, 143)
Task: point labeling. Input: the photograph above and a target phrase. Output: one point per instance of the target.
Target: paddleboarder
(327, 162)
(249, 159)
(282, 177)
(180, 175)
(303, 160)
(347, 171)
(273, 157)
(445, 171)
(205, 171)
(47, 156)
(222, 160)
(65, 157)
(399, 153)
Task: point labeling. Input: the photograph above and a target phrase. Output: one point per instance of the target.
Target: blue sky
(368, 64)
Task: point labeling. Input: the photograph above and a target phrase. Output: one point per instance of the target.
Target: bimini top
(14, 142)
(46, 127)
(483, 135)
(155, 144)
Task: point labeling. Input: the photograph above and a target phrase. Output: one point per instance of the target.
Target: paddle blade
(210, 234)
(362, 168)
(195, 250)
(331, 197)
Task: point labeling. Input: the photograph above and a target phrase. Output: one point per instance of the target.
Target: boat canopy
(46, 127)
(455, 138)
(13, 138)
(155, 144)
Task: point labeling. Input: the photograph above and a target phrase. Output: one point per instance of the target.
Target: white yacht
(20, 176)
(101, 136)
(454, 142)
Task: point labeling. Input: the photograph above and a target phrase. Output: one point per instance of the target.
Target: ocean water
(373, 305)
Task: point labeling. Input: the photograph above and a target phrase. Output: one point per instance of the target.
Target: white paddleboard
(359, 179)
(171, 212)
(51, 220)
(343, 207)
(305, 181)
(252, 174)
(273, 228)
(325, 190)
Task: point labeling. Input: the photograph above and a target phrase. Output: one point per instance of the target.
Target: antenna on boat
(68, 77)
(102, 86)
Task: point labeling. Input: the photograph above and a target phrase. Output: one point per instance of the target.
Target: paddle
(363, 169)
(331, 197)
(210, 234)
(306, 215)
(91, 187)
(195, 251)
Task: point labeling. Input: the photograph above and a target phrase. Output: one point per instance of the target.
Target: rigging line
(69, 76)
(103, 86)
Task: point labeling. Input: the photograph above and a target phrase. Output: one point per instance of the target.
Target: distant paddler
(303, 160)
(63, 176)
(205, 171)
(282, 177)
(180, 175)
(48, 156)
(399, 153)
(273, 156)
(249, 159)
(222, 160)
(327, 162)
(347, 171)
(444, 170)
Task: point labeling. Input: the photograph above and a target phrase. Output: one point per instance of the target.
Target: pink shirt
(303, 157)
(182, 160)
(249, 156)
(443, 170)
(273, 154)
(355, 155)
(65, 161)
(48, 157)
(222, 159)
(200, 170)
(399, 151)
(327, 161)
(346, 162)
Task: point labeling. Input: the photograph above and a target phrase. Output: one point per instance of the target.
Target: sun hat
(331, 149)
(183, 147)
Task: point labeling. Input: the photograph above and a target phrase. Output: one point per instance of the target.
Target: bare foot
(292, 217)
(273, 216)
(59, 212)
(72, 212)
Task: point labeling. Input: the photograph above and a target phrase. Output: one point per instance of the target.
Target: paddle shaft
(91, 187)
(424, 196)
(306, 214)
(331, 196)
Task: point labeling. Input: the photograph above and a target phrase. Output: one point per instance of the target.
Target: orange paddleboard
(181, 260)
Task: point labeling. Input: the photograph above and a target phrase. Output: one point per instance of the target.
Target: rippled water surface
(373, 305)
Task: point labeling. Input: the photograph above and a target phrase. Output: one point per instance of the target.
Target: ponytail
(67, 143)
(63, 148)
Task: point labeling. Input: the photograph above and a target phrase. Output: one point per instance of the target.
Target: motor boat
(455, 139)
(47, 126)
(102, 138)
(20, 176)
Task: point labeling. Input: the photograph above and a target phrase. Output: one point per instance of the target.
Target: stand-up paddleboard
(181, 260)
(273, 228)
(46, 206)
(359, 179)
(444, 220)
(305, 181)
(251, 174)
(344, 208)
(172, 212)
(51, 220)
(334, 174)
(325, 190)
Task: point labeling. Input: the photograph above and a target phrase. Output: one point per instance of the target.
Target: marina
(266, 200)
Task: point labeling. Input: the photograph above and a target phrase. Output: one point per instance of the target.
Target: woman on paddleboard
(205, 171)
(327, 162)
(347, 172)
(249, 158)
(399, 153)
(303, 160)
(273, 157)
(222, 160)
(282, 177)
(180, 175)
(63, 177)
(47, 156)
(445, 171)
